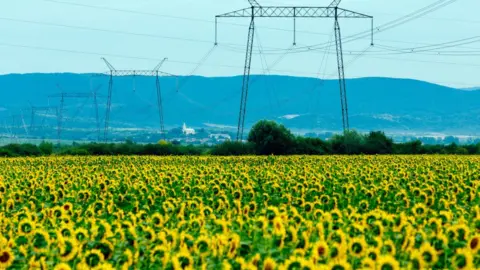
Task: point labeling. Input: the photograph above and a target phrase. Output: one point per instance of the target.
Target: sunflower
(373, 253)
(303, 242)
(159, 253)
(40, 240)
(269, 264)
(278, 227)
(387, 262)
(149, 234)
(416, 261)
(182, 260)
(66, 230)
(255, 260)
(474, 243)
(363, 206)
(106, 247)
(68, 207)
(93, 258)
(367, 263)
(233, 245)
(68, 249)
(388, 247)
(357, 247)
(462, 232)
(202, 245)
(81, 235)
(26, 227)
(320, 251)
(339, 265)
(62, 266)
(37, 263)
(6, 258)
(439, 242)
(463, 259)
(292, 263)
(419, 210)
(338, 252)
(104, 266)
(429, 254)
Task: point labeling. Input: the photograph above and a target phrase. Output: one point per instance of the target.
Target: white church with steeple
(187, 131)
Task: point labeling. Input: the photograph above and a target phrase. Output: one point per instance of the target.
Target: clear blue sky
(183, 31)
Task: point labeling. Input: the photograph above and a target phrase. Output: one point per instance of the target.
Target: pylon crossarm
(147, 73)
(254, 3)
(294, 12)
(335, 3)
(160, 64)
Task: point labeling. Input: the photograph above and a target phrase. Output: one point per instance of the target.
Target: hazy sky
(55, 36)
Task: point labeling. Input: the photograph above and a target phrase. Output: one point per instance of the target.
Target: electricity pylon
(63, 95)
(18, 123)
(152, 73)
(257, 11)
(34, 110)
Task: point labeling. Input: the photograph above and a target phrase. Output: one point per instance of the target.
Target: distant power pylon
(17, 124)
(35, 110)
(152, 73)
(258, 11)
(63, 95)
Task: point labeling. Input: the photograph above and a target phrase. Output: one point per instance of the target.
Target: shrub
(271, 138)
(378, 143)
(46, 148)
(233, 149)
(311, 146)
(351, 142)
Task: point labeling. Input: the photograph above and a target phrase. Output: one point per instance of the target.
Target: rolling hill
(393, 105)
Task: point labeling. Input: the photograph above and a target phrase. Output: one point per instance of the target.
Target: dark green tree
(350, 142)
(271, 138)
(378, 143)
(46, 148)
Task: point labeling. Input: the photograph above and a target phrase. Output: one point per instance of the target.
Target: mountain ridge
(375, 103)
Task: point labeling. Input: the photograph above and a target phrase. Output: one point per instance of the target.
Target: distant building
(218, 137)
(187, 131)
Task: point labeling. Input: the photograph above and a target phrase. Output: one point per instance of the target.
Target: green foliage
(271, 138)
(351, 142)
(46, 148)
(130, 148)
(20, 150)
(233, 149)
(311, 146)
(378, 143)
(265, 138)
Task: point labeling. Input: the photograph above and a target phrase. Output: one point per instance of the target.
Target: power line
(214, 65)
(169, 16)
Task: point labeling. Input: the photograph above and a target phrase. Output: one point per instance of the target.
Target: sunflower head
(388, 262)
(26, 227)
(62, 266)
(183, 260)
(474, 243)
(159, 253)
(269, 264)
(68, 248)
(6, 258)
(358, 247)
(40, 240)
(463, 259)
(320, 250)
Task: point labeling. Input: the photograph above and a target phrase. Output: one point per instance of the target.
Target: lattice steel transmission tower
(152, 73)
(63, 95)
(17, 124)
(35, 110)
(257, 11)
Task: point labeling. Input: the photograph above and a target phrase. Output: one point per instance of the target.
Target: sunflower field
(358, 212)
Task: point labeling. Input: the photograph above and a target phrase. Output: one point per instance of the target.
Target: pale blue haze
(456, 21)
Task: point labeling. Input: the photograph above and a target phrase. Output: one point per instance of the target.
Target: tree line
(265, 138)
